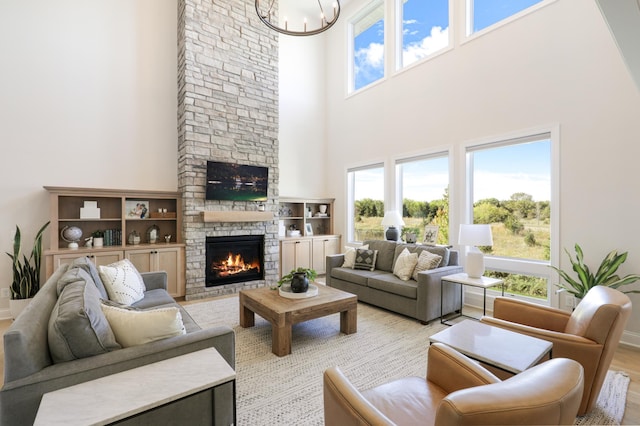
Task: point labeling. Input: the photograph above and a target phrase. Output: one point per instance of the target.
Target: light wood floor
(626, 359)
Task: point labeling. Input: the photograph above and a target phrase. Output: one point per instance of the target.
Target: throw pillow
(77, 325)
(365, 259)
(134, 327)
(350, 256)
(426, 261)
(88, 266)
(123, 282)
(405, 263)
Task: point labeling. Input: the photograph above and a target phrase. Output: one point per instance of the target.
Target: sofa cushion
(426, 261)
(415, 248)
(365, 259)
(386, 253)
(122, 281)
(77, 326)
(154, 299)
(405, 264)
(391, 284)
(88, 266)
(134, 327)
(350, 256)
(356, 276)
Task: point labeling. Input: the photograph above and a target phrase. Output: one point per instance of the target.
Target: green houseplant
(586, 279)
(26, 271)
(286, 279)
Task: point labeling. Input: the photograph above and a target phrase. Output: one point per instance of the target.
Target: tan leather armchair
(458, 391)
(590, 334)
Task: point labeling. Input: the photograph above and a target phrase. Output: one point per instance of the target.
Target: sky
(425, 29)
(498, 173)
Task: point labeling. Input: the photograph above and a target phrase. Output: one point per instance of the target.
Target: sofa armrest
(531, 314)
(453, 371)
(155, 280)
(433, 276)
(332, 261)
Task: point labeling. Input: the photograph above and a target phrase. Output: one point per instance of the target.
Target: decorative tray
(285, 291)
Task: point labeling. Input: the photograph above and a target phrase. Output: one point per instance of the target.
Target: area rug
(274, 390)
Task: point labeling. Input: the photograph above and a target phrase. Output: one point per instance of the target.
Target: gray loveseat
(29, 370)
(417, 299)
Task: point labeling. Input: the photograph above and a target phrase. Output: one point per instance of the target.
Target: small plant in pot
(98, 238)
(298, 279)
(26, 271)
(605, 275)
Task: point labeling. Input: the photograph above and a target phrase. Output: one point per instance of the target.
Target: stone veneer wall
(227, 111)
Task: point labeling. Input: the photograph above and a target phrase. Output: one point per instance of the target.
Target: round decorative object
(134, 238)
(153, 233)
(285, 291)
(71, 234)
(299, 282)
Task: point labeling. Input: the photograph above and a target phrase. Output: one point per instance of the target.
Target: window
(423, 187)
(368, 46)
(484, 13)
(366, 203)
(510, 188)
(425, 29)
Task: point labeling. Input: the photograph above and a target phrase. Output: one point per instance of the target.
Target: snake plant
(605, 275)
(26, 272)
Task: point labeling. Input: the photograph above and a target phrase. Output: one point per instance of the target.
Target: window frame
(532, 267)
(351, 202)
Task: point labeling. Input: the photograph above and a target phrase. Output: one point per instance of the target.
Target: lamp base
(392, 233)
(475, 263)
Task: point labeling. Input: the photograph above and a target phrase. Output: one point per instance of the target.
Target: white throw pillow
(405, 263)
(133, 327)
(123, 282)
(426, 261)
(350, 255)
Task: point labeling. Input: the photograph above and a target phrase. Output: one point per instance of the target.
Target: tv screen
(236, 182)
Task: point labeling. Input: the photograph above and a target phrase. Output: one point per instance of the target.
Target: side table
(464, 280)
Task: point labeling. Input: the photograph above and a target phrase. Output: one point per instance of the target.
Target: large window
(425, 29)
(368, 46)
(510, 188)
(423, 189)
(366, 202)
(484, 13)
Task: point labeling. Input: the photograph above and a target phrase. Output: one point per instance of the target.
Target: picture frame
(431, 234)
(308, 229)
(136, 209)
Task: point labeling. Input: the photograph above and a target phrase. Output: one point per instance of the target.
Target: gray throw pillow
(87, 265)
(77, 327)
(365, 259)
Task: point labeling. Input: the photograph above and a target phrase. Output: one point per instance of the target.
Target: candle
(285, 23)
(321, 19)
(335, 10)
(305, 25)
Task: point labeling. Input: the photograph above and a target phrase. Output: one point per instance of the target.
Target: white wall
(88, 99)
(558, 65)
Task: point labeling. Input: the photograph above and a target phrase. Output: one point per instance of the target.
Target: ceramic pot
(299, 283)
(98, 241)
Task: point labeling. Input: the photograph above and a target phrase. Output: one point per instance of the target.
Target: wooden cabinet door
(168, 259)
(323, 247)
(98, 258)
(294, 254)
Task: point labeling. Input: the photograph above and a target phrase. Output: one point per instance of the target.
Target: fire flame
(234, 264)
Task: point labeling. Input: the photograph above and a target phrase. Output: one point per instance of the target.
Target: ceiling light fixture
(304, 26)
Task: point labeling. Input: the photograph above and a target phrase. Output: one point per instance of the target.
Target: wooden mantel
(237, 216)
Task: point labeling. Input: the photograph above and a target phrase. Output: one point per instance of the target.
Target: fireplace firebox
(234, 259)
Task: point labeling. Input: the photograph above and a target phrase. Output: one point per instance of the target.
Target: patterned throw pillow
(365, 259)
(426, 261)
(350, 256)
(405, 263)
(123, 282)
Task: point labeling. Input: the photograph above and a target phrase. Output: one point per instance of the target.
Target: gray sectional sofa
(417, 299)
(30, 372)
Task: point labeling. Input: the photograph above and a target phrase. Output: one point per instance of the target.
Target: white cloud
(503, 185)
(438, 39)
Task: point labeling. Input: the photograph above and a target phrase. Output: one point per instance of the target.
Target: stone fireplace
(227, 111)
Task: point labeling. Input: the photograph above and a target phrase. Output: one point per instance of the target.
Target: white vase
(17, 305)
(98, 241)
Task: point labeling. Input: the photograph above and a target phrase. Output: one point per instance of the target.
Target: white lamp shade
(392, 218)
(475, 235)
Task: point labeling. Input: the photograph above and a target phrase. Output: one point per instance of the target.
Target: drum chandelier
(300, 25)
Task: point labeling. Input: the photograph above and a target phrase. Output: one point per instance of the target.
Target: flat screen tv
(236, 182)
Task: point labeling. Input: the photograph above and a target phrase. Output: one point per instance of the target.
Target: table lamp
(392, 220)
(474, 236)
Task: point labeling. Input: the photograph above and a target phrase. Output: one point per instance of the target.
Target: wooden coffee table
(282, 312)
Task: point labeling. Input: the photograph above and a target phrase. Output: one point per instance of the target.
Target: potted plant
(605, 275)
(98, 238)
(298, 279)
(26, 272)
